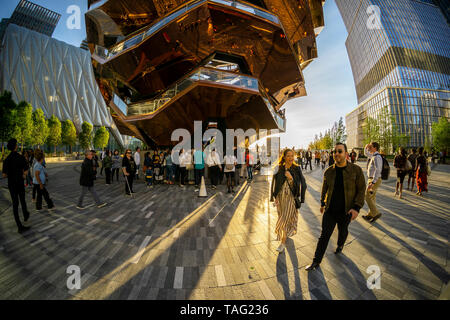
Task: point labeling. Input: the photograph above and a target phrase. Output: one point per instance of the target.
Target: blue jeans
(170, 172)
(149, 177)
(250, 172)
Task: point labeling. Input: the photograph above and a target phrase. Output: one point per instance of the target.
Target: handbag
(428, 169)
(297, 201)
(408, 165)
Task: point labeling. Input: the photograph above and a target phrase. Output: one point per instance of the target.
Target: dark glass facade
(401, 61)
(35, 17)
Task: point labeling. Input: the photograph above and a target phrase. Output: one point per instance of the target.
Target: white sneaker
(281, 248)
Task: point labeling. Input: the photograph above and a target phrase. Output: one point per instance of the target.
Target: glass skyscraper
(399, 51)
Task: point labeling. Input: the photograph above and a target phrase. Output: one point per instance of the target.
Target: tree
(440, 131)
(68, 134)
(7, 107)
(101, 138)
(340, 131)
(54, 132)
(85, 136)
(23, 124)
(40, 128)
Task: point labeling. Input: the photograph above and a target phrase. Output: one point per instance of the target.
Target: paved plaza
(167, 243)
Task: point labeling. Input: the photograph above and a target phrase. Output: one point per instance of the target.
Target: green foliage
(40, 128)
(101, 138)
(68, 134)
(440, 132)
(54, 132)
(7, 107)
(384, 130)
(23, 123)
(327, 140)
(85, 136)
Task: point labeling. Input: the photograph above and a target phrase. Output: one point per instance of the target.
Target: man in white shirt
(215, 166)
(229, 170)
(374, 174)
(137, 160)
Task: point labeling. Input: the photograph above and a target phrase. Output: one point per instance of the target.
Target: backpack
(386, 170)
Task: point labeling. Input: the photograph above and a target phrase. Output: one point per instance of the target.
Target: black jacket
(299, 182)
(87, 175)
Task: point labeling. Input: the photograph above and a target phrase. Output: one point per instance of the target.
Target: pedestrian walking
(107, 165)
(230, 162)
(129, 171)
(317, 158)
(170, 168)
(95, 162)
(308, 157)
(102, 156)
(87, 178)
(331, 158)
(199, 167)
(353, 156)
(184, 160)
(287, 192)
(249, 162)
(213, 162)
(15, 168)
(39, 180)
(401, 163)
(137, 160)
(147, 169)
(412, 173)
(341, 199)
(371, 151)
(421, 172)
(324, 159)
(116, 165)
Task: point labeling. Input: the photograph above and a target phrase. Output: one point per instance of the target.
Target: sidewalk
(167, 243)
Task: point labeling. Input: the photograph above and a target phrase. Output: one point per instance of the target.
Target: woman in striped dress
(287, 184)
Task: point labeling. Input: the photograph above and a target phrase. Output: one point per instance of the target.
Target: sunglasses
(128, 152)
(338, 151)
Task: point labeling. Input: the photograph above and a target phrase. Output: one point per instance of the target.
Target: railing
(209, 75)
(201, 74)
(133, 41)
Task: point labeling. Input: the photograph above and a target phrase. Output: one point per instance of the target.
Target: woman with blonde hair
(288, 184)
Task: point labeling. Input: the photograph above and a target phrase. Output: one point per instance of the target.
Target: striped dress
(287, 213)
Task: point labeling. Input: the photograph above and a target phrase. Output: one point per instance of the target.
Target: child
(149, 177)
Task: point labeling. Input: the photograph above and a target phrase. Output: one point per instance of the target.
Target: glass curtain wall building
(400, 57)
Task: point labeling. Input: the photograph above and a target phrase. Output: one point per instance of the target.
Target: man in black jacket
(308, 159)
(87, 178)
(343, 193)
(15, 168)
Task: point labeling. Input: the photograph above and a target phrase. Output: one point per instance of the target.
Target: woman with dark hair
(400, 161)
(148, 169)
(288, 184)
(129, 170)
(115, 165)
(421, 173)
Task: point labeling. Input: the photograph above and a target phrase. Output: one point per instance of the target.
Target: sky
(329, 79)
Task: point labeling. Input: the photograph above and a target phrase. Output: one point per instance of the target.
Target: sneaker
(196, 190)
(81, 207)
(367, 217)
(51, 208)
(102, 205)
(339, 250)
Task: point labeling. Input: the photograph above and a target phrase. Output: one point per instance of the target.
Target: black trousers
(18, 194)
(329, 221)
(40, 194)
(199, 173)
(214, 175)
(310, 164)
(130, 182)
(108, 175)
(116, 172)
(183, 174)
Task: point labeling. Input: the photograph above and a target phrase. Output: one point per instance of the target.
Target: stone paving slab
(167, 243)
